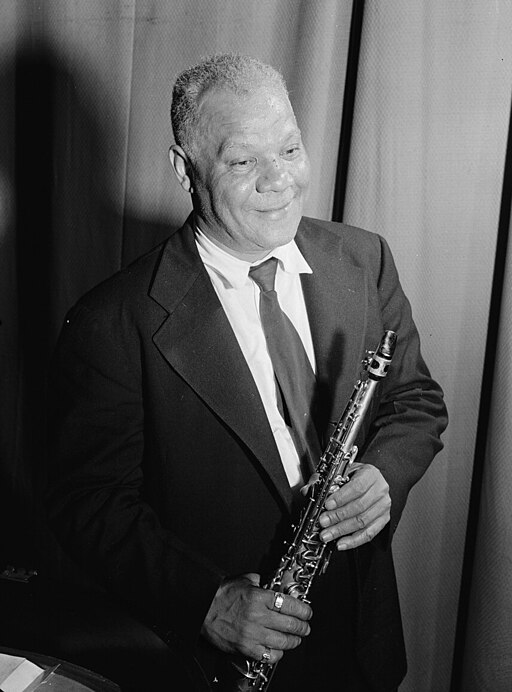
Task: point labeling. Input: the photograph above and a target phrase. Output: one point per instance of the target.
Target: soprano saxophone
(307, 556)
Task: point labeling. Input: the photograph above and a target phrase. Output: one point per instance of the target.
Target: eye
(242, 164)
(291, 152)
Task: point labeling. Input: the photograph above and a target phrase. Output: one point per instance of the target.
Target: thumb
(253, 578)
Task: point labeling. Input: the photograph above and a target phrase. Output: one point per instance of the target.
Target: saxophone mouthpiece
(381, 360)
(387, 344)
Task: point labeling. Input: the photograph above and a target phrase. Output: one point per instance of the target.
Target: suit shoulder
(124, 293)
(357, 244)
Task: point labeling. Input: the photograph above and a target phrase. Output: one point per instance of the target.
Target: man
(178, 460)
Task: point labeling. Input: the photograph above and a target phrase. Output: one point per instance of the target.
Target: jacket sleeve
(95, 498)
(410, 415)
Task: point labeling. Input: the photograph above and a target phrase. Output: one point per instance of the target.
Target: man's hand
(242, 620)
(358, 510)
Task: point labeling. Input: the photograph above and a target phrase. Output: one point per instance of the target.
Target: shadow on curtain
(64, 238)
(85, 177)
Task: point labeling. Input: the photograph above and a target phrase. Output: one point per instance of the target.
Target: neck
(246, 255)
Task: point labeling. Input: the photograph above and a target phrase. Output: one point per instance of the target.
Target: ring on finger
(278, 602)
(266, 654)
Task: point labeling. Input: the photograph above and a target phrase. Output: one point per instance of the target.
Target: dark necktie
(294, 374)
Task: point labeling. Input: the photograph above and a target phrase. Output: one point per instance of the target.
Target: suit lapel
(336, 301)
(197, 341)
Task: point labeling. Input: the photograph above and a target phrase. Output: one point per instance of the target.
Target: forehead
(227, 118)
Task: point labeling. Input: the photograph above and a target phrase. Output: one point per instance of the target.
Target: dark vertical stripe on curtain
(483, 416)
(349, 98)
(34, 90)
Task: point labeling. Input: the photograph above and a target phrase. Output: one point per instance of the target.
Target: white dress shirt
(239, 296)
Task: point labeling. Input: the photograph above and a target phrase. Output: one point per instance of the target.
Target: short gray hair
(240, 74)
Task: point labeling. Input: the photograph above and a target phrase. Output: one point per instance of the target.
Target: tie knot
(264, 274)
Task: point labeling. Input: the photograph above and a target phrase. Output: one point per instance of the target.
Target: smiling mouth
(281, 207)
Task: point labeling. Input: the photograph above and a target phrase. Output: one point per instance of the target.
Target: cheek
(302, 174)
(234, 197)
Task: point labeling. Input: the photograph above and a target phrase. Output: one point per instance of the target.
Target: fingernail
(342, 546)
(324, 520)
(330, 504)
(326, 536)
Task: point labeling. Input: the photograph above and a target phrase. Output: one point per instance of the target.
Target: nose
(274, 177)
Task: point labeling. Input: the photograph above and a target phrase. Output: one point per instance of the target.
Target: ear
(181, 166)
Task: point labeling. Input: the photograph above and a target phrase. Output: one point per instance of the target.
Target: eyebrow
(233, 145)
(244, 144)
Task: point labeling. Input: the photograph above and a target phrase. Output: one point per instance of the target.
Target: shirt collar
(234, 271)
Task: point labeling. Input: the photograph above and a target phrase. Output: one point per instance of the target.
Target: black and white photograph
(255, 346)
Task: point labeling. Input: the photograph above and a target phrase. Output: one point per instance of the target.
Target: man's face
(251, 171)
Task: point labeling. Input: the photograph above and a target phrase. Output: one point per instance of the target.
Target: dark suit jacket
(166, 477)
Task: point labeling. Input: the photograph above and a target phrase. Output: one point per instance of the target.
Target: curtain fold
(426, 170)
(485, 663)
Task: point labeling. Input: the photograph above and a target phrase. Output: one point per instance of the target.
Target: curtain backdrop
(85, 96)
(86, 186)
(488, 652)
(483, 659)
(426, 171)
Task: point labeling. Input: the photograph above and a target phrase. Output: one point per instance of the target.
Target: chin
(279, 231)
(285, 232)
(277, 237)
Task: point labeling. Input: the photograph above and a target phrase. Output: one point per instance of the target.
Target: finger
(272, 637)
(355, 465)
(286, 624)
(361, 537)
(279, 641)
(361, 507)
(364, 478)
(266, 653)
(288, 605)
(346, 521)
(253, 578)
(341, 506)
(271, 628)
(347, 511)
